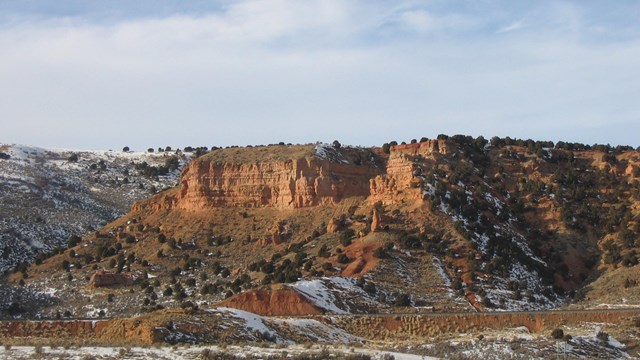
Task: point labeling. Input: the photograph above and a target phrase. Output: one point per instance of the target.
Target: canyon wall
(425, 148)
(292, 183)
(396, 183)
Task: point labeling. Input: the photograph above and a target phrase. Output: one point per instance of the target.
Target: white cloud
(516, 25)
(419, 20)
(261, 72)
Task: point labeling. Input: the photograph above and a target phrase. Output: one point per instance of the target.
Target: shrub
(38, 350)
(557, 333)
(125, 149)
(343, 259)
(381, 253)
(402, 300)
(171, 163)
(346, 236)
(73, 240)
(323, 252)
(73, 157)
(603, 336)
(370, 288)
(14, 308)
(629, 283)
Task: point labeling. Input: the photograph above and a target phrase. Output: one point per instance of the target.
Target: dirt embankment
(105, 332)
(121, 332)
(412, 327)
(274, 301)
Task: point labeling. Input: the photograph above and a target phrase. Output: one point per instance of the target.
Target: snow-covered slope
(48, 195)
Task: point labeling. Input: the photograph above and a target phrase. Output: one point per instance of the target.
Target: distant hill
(50, 195)
(449, 224)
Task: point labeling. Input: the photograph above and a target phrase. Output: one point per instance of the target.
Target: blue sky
(104, 74)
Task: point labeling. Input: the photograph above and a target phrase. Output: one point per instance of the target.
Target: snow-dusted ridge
(47, 195)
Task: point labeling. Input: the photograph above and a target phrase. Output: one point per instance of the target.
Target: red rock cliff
(401, 168)
(292, 183)
(294, 177)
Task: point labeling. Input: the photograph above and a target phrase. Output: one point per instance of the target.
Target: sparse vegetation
(493, 214)
(557, 333)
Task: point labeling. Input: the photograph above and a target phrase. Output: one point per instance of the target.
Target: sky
(150, 73)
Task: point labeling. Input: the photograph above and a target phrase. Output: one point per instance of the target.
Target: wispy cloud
(252, 72)
(516, 25)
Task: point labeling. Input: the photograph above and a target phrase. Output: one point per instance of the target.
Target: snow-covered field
(199, 352)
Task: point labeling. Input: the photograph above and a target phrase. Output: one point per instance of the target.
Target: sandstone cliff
(303, 180)
(399, 180)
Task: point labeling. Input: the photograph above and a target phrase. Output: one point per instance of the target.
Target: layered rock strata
(293, 183)
(289, 184)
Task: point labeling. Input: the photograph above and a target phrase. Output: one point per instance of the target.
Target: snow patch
(316, 291)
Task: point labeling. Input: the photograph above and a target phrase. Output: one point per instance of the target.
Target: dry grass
(260, 154)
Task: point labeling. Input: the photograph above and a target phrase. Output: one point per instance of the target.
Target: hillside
(50, 195)
(453, 224)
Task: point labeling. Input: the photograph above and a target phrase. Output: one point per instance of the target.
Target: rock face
(334, 225)
(376, 220)
(426, 148)
(399, 178)
(293, 183)
(298, 178)
(301, 180)
(104, 279)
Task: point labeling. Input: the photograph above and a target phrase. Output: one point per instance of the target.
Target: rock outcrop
(376, 220)
(298, 178)
(334, 225)
(274, 301)
(400, 181)
(293, 183)
(425, 148)
(105, 279)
